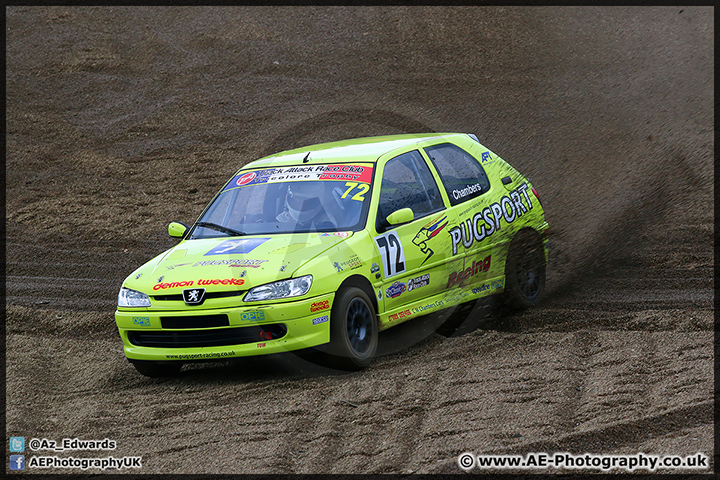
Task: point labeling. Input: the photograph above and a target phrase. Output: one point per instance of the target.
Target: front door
(415, 254)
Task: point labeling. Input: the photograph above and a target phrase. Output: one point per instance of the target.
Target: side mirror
(404, 215)
(177, 229)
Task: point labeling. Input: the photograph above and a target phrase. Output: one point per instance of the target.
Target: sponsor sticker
(355, 173)
(468, 190)
(163, 286)
(319, 320)
(352, 263)
(237, 246)
(395, 290)
(317, 306)
(399, 315)
(142, 321)
(491, 286)
(487, 221)
(418, 282)
(224, 281)
(341, 172)
(336, 234)
(427, 232)
(252, 316)
(245, 178)
(239, 262)
(456, 278)
(189, 283)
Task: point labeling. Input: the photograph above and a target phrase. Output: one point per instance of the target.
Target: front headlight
(283, 289)
(132, 298)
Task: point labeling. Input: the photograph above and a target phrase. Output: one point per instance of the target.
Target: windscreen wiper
(220, 228)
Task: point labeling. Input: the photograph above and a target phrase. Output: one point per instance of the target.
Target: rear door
(475, 235)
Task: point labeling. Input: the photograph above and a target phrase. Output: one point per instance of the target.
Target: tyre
(524, 271)
(157, 369)
(353, 330)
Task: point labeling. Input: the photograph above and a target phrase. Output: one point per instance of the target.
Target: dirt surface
(122, 119)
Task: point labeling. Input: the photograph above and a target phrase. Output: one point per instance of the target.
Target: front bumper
(220, 333)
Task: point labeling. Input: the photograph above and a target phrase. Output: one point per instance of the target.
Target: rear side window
(462, 174)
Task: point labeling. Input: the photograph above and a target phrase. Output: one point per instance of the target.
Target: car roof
(365, 149)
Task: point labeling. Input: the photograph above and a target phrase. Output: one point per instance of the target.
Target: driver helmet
(303, 201)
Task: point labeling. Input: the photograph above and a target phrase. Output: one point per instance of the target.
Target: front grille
(208, 338)
(195, 321)
(179, 298)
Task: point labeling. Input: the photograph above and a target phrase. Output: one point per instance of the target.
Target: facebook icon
(17, 462)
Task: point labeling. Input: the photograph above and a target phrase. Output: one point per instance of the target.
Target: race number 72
(392, 253)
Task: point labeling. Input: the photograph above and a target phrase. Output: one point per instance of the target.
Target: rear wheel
(525, 271)
(353, 330)
(157, 369)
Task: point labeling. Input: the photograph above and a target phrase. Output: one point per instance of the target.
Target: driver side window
(407, 183)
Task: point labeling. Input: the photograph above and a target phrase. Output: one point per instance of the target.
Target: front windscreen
(313, 198)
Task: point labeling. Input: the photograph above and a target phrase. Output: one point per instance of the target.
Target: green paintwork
(404, 215)
(176, 229)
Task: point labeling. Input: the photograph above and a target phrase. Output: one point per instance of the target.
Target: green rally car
(325, 246)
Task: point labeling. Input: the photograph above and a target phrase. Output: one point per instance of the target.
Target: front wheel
(525, 271)
(353, 330)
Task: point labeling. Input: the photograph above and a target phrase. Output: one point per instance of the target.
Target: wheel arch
(363, 284)
(527, 230)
